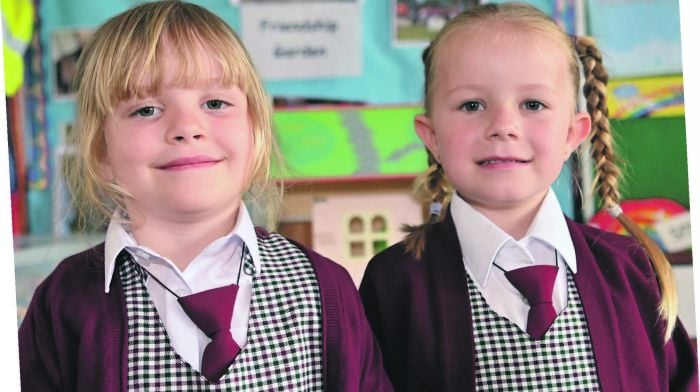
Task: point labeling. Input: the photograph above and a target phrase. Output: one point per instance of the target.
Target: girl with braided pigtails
(499, 290)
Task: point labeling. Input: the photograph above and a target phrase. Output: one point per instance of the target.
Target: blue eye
(215, 104)
(471, 106)
(146, 111)
(533, 105)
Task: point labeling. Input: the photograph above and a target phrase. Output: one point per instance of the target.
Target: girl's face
(184, 153)
(502, 120)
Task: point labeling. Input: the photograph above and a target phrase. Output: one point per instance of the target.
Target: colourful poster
(637, 37)
(646, 97)
(360, 142)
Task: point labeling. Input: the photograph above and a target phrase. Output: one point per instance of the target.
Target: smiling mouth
(189, 163)
(486, 162)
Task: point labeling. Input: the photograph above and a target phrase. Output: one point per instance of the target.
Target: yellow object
(17, 29)
(660, 96)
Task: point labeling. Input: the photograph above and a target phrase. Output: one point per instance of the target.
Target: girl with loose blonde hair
(501, 89)
(185, 293)
(110, 71)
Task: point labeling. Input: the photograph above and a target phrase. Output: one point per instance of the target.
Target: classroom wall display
(66, 46)
(666, 221)
(390, 74)
(646, 97)
(299, 39)
(638, 38)
(361, 142)
(417, 21)
(567, 13)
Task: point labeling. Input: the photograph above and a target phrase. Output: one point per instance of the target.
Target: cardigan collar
(453, 324)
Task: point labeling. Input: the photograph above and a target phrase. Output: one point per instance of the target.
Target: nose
(185, 127)
(503, 124)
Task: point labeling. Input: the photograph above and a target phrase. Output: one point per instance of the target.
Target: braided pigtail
(433, 186)
(607, 173)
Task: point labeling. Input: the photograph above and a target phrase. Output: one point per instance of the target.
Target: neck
(182, 240)
(513, 219)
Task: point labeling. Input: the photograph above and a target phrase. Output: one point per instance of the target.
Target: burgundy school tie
(536, 284)
(211, 311)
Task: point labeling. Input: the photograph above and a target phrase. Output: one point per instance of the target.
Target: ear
(425, 131)
(579, 129)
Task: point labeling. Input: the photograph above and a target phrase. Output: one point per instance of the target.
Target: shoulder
(71, 298)
(80, 267)
(614, 255)
(603, 243)
(392, 260)
(398, 261)
(75, 279)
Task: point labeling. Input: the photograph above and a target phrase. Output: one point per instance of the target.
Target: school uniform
(304, 325)
(423, 314)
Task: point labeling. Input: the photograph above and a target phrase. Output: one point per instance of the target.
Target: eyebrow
(532, 86)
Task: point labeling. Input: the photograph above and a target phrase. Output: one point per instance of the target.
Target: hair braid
(434, 187)
(607, 173)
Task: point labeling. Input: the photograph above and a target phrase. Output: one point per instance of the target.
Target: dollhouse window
(379, 245)
(357, 248)
(378, 224)
(364, 241)
(357, 225)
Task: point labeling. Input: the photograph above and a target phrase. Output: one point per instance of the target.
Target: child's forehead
(508, 41)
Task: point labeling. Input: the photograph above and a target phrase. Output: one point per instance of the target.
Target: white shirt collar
(118, 238)
(480, 239)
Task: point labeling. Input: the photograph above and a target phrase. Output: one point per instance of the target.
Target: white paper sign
(675, 232)
(303, 40)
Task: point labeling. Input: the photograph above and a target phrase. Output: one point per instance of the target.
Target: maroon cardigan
(421, 315)
(74, 336)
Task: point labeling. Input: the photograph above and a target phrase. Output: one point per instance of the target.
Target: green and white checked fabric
(507, 359)
(285, 342)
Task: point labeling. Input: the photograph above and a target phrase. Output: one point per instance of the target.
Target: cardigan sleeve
(73, 337)
(38, 357)
(620, 293)
(681, 361)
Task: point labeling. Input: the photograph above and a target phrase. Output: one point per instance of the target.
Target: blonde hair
(433, 185)
(124, 59)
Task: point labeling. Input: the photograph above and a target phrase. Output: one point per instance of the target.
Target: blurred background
(346, 80)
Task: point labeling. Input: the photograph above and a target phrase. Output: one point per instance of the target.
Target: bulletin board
(638, 38)
(388, 73)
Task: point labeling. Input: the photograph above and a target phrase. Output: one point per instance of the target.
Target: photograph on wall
(417, 21)
(563, 12)
(66, 46)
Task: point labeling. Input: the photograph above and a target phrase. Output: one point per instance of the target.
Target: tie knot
(211, 310)
(535, 283)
